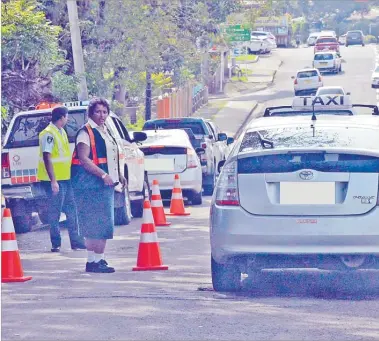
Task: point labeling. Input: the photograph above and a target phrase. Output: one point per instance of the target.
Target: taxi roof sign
(324, 102)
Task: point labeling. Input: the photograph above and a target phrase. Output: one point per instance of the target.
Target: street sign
(237, 33)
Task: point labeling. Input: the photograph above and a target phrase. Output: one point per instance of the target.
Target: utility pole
(77, 50)
(148, 95)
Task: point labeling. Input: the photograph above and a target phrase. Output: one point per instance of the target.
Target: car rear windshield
(307, 74)
(323, 56)
(323, 162)
(307, 137)
(326, 40)
(196, 127)
(26, 128)
(330, 92)
(354, 34)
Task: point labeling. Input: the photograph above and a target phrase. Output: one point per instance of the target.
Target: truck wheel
(196, 198)
(137, 206)
(122, 215)
(225, 278)
(209, 188)
(21, 215)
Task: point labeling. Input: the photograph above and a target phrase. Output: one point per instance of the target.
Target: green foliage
(370, 39)
(138, 125)
(65, 87)
(27, 37)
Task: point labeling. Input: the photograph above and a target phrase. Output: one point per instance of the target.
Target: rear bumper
(27, 192)
(190, 179)
(235, 232)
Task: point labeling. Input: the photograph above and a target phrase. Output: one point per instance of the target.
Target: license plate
(324, 63)
(159, 165)
(310, 193)
(307, 82)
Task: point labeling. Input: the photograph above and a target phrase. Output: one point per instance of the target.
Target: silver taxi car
(299, 193)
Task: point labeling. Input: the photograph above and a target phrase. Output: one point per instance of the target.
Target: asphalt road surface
(62, 302)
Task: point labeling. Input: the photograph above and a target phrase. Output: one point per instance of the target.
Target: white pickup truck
(19, 163)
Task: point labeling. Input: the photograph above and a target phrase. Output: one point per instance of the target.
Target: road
(62, 302)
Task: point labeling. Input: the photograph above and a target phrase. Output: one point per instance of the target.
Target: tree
(30, 54)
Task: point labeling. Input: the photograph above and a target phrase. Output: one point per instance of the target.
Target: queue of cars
(353, 37)
(299, 189)
(193, 153)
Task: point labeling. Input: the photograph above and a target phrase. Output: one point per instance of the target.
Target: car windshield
(308, 137)
(324, 56)
(354, 34)
(196, 127)
(307, 74)
(26, 128)
(330, 91)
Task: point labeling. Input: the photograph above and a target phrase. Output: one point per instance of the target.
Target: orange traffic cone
(177, 203)
(11, 268)
(149, 253)
(157, 206)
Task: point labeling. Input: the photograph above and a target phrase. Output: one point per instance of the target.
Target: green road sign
(237, 33)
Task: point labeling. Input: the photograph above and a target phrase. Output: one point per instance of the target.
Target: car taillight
(319, 78)
(227, 186)
(203, 145)
(295, 82)
(191, 158)
(5, 166)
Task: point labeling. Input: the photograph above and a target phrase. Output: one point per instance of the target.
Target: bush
(370, 39)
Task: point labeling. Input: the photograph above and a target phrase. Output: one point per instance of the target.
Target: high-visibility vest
(60, 155)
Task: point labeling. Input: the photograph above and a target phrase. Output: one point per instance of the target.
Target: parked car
(294, 194)
(355, 38)
(19, 162)
(342, 39)
(170, 152)
(375, 77)
(255, 46)
(268, 35)
(311, 41)
(327, 62)
(307, 81)
(207, 136)
(326, 44)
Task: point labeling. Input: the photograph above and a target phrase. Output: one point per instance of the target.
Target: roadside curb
(239, 131)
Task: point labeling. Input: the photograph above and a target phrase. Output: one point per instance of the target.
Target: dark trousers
(62, 202)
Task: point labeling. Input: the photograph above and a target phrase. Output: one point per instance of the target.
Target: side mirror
(139, 136)
(220, 165)
(348, 93)
(293, 77)
(210, 136)
(200, 151)
(229, 141)
(222, 137)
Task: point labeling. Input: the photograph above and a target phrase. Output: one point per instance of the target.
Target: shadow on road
(354, 286)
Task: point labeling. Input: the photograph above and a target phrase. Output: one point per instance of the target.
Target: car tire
(346, 45)
(137, 206)
(122, 215)
(196, 198)
(225, 277)
(23, 223)
(209, 188)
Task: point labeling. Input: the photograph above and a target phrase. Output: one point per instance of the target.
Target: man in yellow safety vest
(54, 172)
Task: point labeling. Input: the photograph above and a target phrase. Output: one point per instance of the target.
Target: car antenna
(314, 118)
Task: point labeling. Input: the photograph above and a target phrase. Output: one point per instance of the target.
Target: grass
(248, 72)
(247, 58)
(137, 126)
(239, 79)
(217, 104)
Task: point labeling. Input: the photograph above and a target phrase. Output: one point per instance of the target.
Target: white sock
(99, 257)
(90, 256)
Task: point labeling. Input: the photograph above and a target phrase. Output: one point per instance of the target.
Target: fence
(181, 103)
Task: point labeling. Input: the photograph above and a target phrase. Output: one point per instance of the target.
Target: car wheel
(225, 277)
(209, 188)
(346, 45)
(122, 215)
(196, 198)
(21, 215)
(137, 206)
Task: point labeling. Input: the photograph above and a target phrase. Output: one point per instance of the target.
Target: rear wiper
(265, 142)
